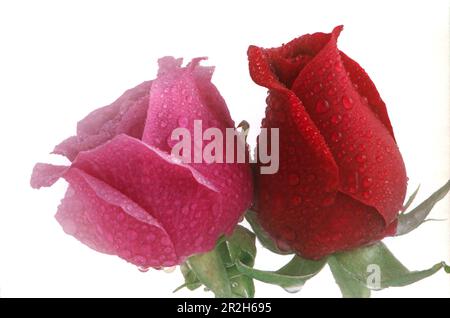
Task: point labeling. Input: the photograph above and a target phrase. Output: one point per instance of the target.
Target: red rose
(342, 180)
(127, 195)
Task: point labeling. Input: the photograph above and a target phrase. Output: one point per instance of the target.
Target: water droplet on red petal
(317, 87)
(336, 136)
(367, 182)
(347, 102)
(338, 66)
(360, 158)
(322, 106)
(367, 194)
(336, 119)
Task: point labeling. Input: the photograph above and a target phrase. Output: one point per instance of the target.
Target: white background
(61, 59)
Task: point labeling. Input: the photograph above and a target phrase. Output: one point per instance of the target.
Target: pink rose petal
(178, 98)
(183, 201)
(45, 175)
(109, 222)
(124, 116)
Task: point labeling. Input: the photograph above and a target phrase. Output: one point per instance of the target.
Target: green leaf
(291, 277)
(373, 267)
(410, 200)
(263, 237)
(410, 221)
(211, 272)
(350, 286)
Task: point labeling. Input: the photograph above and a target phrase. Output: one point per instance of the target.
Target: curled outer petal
(339, 106)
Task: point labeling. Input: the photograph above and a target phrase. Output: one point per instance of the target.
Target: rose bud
(341, 180)
(128, 195)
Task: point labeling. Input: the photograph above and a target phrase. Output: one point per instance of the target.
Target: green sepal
(411, 220)
(216, 270)
(350, 286)
(191, 281)
(240, 247)
(211, 272)
(242, 286)
(373, 267)
(411, 199)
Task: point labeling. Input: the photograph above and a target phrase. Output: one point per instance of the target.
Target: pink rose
(127, 194)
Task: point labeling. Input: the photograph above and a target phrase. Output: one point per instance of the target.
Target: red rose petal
(315, 232)
(124, 116)
(366, 88)
(289, 59)
(371, 168)
(304, 154)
